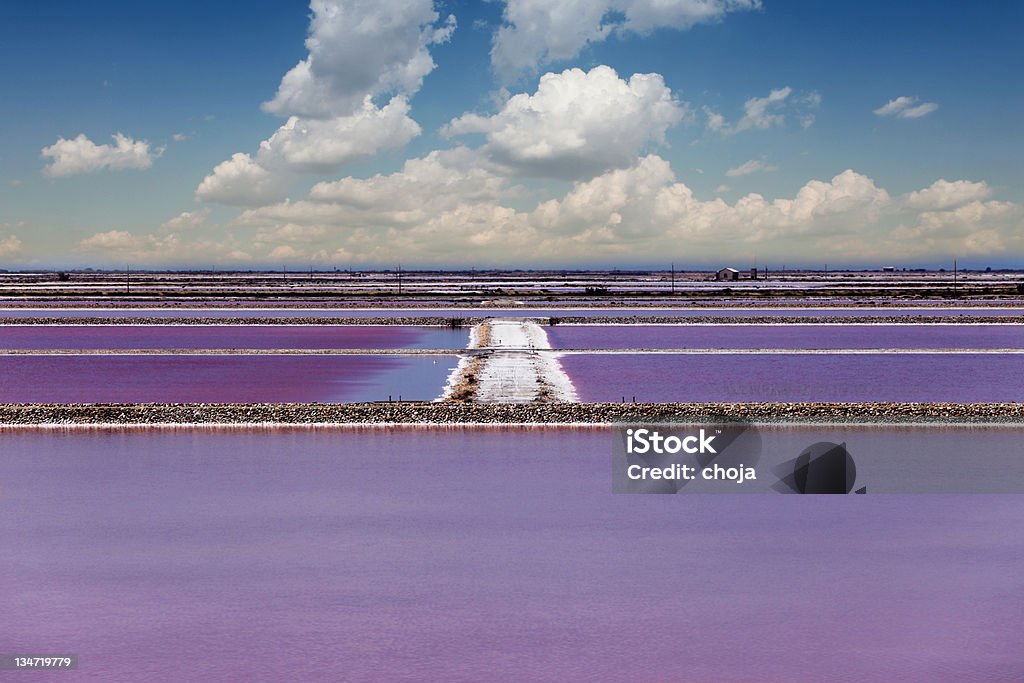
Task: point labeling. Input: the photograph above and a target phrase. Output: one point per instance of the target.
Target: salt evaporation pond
(231, 337)
(914, 377)
(793, 312)
(498, 554)
(787, 337)
(221, 378)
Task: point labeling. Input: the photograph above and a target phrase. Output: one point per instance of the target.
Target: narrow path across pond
(511, 362)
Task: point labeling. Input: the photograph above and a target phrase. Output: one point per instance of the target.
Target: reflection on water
(480, 554)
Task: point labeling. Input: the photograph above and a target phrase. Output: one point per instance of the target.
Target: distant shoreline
(504, 287)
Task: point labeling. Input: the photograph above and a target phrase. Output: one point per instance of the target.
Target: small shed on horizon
(727, 274)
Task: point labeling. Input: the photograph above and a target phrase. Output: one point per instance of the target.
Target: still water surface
(917, 377)
(462, 554)
(221, 378)
(788, 336)
(231, 337)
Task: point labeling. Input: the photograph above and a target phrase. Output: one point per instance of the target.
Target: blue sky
(511, 134)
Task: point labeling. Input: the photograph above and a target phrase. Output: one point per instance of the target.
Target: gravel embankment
(542, 320)
(235, 352)
(445, 413)
(154, 320)
(788, 320)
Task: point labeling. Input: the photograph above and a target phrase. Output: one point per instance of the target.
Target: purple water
(231, 337)
(797, 377)
(481, 555)
(494, 312)
(221, 379)
(787, 337)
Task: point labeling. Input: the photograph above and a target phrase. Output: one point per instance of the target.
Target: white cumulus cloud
(976, 228)
(116, 241)
(82, 155)
(577, 124)
(120, 247)
(905, 107)
(241, 181)
(186, 220)
(10, 246)
(360, 48)
(538, 32)
(748, 167)
(444, 208)
(304, 145)
(945, 194)
(424, 187)
(442, 178)
(324, 145)
(762, 113)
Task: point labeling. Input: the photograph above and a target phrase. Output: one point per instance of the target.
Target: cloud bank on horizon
(564, 162)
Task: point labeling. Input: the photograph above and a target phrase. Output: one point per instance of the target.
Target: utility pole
(128, 278)
(399, 279)
(954, 277)
(673, 278)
